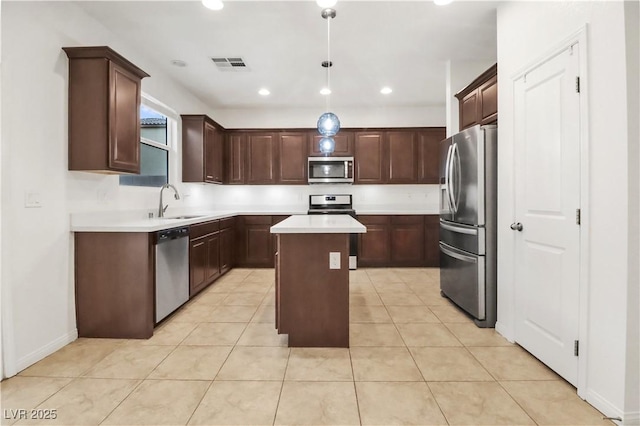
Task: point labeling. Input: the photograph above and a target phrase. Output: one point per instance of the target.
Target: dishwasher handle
(171, 234)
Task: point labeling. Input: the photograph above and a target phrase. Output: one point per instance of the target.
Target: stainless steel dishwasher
(172, 270)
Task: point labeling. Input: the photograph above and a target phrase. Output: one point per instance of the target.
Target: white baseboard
(607, 408)
(631, 419)
(46, 350)
(504, 331)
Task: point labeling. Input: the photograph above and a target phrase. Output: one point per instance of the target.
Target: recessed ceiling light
(326, 3)
(213, 4)
(325, 91)
(442, 2)
(178, 63)
(264, 92)
(386, 90)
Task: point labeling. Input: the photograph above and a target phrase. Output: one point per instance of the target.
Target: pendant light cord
(328, 60)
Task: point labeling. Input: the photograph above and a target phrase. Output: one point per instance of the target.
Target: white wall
(522, 40)
(36, 243)
(349, 117)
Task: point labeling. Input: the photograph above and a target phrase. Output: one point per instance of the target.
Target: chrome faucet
(161, 207)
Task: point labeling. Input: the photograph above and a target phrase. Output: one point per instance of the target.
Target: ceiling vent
(230, 64)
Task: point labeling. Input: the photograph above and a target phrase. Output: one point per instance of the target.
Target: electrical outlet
(334, 260)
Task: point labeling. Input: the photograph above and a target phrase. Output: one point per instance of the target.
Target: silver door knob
(516, 226)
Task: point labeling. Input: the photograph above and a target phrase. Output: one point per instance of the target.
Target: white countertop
(137, 221)
(396, 209)
(319, 224)
(96, 223)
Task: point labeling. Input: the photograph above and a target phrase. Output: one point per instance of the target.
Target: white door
(547, 173)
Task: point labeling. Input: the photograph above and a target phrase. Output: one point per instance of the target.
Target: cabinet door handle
(209, 177)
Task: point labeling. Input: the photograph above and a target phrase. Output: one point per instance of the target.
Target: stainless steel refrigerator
(468, 193)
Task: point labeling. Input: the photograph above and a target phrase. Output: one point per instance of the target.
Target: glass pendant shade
(327, 145)
(328, 124)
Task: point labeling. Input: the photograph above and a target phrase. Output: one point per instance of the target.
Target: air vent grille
(235, 63)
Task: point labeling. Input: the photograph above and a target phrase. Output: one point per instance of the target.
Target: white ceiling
(401, 44)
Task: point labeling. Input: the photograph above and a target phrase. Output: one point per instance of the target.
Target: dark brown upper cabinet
(235, 153)
(202, 141)
(266, 157)
(488, 94)
(261, 163)
(478, 102)
(344, 145)
(402, 156)
(370, 165)
(292, 164)
(104, 111)
(394, 156)
(428, 154)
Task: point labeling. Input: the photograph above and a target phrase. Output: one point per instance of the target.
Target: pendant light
(328, 123)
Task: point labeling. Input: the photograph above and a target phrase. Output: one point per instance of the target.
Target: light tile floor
(415, 359)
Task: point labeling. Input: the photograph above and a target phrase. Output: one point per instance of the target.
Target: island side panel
(313, 299)
(114, 284)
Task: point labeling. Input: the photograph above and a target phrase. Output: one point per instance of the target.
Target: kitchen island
(312, 279)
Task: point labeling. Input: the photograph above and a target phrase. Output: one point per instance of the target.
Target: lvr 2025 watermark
(34, 414)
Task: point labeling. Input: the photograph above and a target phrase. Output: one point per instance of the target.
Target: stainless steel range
(337, 204)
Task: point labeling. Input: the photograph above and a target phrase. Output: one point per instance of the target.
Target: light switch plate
(334, 260)
(32, 200)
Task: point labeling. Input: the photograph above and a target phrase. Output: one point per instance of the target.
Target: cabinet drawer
(407, 220)
(227, 222)
(204, 228)
(373, 220)
(257, 220)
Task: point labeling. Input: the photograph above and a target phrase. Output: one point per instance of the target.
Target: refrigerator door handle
(454, 179)
(447, 176)
(458, 229)
(457, 255)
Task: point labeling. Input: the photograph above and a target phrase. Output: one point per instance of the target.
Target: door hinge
(576, 347)
(578, 216)
(577, 84)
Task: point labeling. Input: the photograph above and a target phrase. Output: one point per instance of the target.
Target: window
(156, 137)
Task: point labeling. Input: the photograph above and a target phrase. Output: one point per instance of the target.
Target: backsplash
(420, 198)
(88, 192)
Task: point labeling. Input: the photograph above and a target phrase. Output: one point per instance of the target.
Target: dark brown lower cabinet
(312, 301)
(374, 246)
(399, 240)
(114, 287)
(432, 241)
(227, 244)
(407, 240)
(197, 265)
(204, 255)
(256, 245)
(213, 256)
(254, 242)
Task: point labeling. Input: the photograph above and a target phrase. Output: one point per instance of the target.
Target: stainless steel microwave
(330, 169)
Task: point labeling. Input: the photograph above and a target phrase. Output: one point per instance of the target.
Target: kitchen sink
(182, 217)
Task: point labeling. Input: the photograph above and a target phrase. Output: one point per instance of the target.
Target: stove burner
(337, 204)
